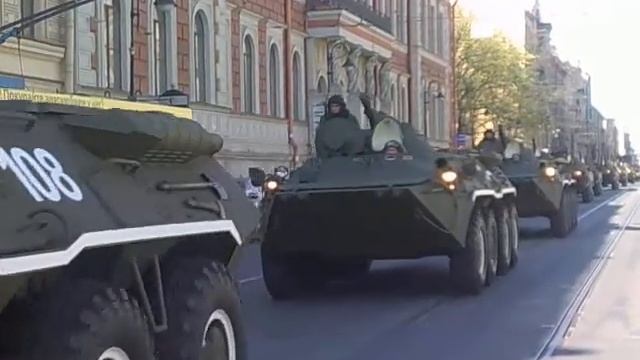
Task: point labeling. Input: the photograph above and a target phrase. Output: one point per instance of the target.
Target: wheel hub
(218, 339)
(114, 353)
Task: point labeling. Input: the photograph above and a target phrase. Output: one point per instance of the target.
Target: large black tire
(561, 220)
(84, 319)
(492, 249)
(514, 235)
(203, 306)
(287, 276)
(468, 267)
(588, 195)
(348, 268)
(504, 239)
(575, 209)
(615, 185)
(597, 188)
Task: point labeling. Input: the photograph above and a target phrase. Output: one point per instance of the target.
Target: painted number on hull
(41, 174)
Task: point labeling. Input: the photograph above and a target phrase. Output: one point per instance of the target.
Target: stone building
(402, 61)
(253, 69)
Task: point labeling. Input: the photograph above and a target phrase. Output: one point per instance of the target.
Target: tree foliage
(495, 82)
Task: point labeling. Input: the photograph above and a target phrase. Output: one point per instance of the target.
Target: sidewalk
(609, 326)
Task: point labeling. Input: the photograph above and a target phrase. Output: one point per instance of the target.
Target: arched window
(249, 75)
(114, 43)
(199, 51)
(274, 81)
(158, 68)
(297, 88)
(322, 85)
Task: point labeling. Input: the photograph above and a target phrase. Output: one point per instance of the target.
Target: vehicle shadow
(570, 351)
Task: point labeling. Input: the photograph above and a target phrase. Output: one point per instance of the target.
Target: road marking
(556, 337)
(582, 217)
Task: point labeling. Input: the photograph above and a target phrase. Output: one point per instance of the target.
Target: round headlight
(449, 176)
(272, 185)
(550, 171)
(577, 173)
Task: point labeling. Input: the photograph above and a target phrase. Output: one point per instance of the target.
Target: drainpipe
(455, 125)
(415, 63)
(288, 82)
(69, 58)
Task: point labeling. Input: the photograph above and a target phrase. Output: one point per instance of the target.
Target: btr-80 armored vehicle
(116, 231)
(389, 195)
(584, 179)
(542, 189)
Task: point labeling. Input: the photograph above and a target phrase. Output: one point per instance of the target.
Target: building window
(274, 81)
(298, 91)
(113, 44)
(440, 32)
(158, 46)
(322, 85)
(394, 105)
(27, 9)
(442, 121)
(199, 50)
(249, 75)
(431, 24)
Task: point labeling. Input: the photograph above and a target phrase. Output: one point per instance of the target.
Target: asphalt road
(406, 309)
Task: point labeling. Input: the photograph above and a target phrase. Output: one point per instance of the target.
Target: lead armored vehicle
(389, 196)
(543, 191)
(116, 234)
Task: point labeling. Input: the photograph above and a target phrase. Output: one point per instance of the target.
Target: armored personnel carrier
(389, 196)
(116, 234)
(584, 179)
(542, 189)
(610, 176)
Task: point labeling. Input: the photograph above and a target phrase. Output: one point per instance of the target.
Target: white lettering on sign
(41, 174)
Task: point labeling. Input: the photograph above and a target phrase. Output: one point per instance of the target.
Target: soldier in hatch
(490, 143)
(339, 132)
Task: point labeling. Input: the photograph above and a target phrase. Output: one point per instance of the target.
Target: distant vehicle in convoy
(584, 179)
(385, 194)
(115, 237)
(543, 191)
(597, 180)
(610, 176)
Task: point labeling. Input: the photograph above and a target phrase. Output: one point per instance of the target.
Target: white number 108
(50, 183)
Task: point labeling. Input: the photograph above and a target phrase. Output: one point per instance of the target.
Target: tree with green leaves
(495, 83)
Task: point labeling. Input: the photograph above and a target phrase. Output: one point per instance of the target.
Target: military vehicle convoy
(389, 195)
(610, 176)
(117, 229)
(542, 189)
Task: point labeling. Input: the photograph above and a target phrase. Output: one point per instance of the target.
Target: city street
(406, 310)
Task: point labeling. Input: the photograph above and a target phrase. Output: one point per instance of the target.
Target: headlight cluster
(550, 171)
(577, 173)
(271, 185)
(448, 179)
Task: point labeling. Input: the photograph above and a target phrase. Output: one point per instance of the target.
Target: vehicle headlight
(271, 185)
(608, 171)
(449, 176)
(577, 173)
(550, 171)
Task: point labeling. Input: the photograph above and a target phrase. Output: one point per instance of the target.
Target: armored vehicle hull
(544, 192)
(117, 231)
(333, 216)
(610, 177)
(584, 180)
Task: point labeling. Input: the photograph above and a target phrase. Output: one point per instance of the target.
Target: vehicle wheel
(85, 319)
(615, 185)
(514, 234)
(504, 244)
(588, 195)
(203, 310)
(574, 208)
(597, 188)
(468, 267)
(289, 276)
(350, 268)
(491, 245)
(561, 219)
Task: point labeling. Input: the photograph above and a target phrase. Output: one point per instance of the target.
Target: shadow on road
(566, 351)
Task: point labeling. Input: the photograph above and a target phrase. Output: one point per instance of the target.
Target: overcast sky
(600, 36)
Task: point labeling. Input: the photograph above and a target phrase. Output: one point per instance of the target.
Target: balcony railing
(359, 8)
